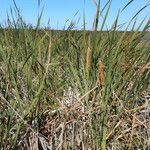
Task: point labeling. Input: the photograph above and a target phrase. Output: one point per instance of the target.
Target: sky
(61, 12)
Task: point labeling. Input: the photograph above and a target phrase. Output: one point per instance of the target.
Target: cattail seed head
(88, 59)
(101, 65)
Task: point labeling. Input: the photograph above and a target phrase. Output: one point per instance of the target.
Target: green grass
(52, 93)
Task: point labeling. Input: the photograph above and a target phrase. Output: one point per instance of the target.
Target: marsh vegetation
(75, 89)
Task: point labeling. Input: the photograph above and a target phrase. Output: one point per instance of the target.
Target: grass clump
(75, 89)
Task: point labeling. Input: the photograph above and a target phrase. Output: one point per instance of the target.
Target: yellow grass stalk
(88, 67)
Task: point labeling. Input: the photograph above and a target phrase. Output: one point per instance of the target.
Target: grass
(74, 89)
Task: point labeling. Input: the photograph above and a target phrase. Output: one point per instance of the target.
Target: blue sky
(59, 11)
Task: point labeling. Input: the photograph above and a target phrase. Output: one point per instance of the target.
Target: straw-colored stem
(88, 68)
